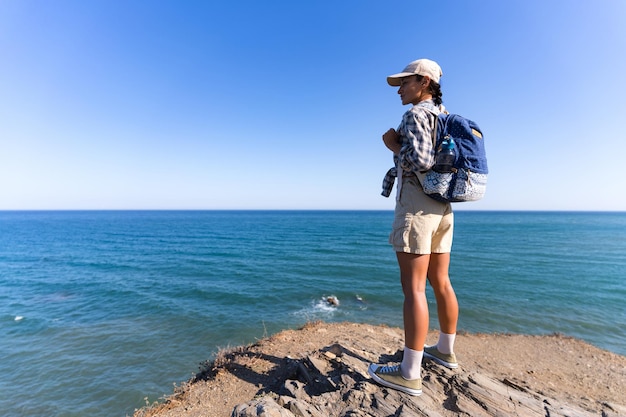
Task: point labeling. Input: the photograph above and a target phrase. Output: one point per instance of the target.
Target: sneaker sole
(388, 384)
(450, 365)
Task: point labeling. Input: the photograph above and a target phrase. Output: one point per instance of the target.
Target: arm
(417, 153)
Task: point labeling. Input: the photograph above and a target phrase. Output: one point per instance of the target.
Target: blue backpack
(467, 180)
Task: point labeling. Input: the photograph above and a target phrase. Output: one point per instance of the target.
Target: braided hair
(435, 90)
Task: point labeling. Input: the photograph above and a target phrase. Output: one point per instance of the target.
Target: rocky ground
(321, 370)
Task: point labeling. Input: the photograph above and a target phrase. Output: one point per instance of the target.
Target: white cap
(424, 67)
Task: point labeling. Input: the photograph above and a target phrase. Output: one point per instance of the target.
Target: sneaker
(391, 377)
(446, 359)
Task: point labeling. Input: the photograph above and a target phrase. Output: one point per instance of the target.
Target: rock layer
(321, 371)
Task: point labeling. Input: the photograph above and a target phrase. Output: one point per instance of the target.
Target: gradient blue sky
(108, 104)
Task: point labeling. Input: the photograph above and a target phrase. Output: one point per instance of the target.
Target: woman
(422, 231)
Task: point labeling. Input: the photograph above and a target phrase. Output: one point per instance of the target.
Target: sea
(103, 312)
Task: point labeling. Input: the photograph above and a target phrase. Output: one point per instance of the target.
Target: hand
(392, 141)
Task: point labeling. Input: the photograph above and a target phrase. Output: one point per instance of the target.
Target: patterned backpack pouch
(468, 179)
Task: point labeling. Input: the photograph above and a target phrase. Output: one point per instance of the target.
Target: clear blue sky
(110, 104)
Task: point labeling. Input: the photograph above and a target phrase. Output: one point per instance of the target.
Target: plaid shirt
(417, 153)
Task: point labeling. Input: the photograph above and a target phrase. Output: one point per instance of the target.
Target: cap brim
(395, 79)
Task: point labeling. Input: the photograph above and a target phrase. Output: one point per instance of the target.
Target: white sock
(446, 343)
(411, 366)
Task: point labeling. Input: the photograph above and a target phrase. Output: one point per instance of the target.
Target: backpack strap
(421, 176)
(434, 128)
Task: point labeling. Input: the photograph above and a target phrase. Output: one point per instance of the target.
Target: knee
(442, 286)
(414, 295)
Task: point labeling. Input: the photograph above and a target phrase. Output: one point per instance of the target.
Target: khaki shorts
(421, 225)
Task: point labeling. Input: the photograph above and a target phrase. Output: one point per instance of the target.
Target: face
(413, 91)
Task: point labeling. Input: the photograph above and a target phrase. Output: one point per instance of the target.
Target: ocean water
(103, 311)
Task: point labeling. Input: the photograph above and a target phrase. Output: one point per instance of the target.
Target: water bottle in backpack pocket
(445, 156)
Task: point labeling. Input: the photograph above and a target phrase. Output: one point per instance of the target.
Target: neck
(423, 98)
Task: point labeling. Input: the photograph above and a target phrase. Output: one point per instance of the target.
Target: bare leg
(447, 305)
(413, 272)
